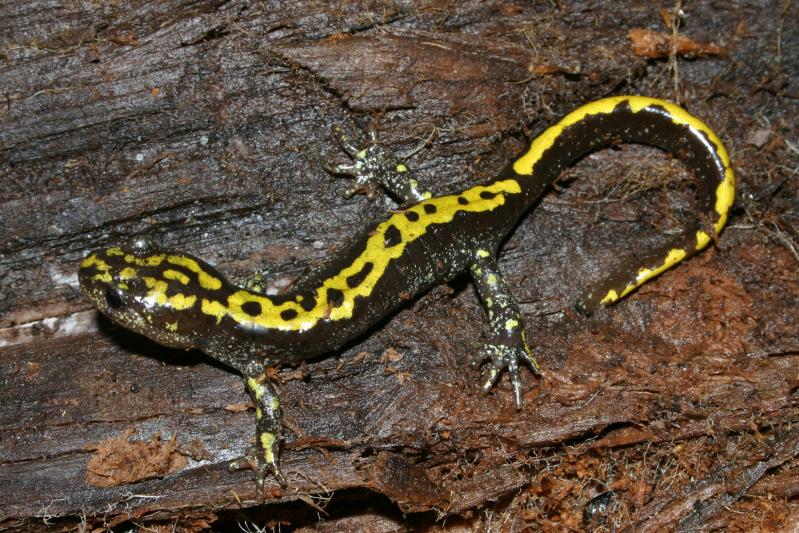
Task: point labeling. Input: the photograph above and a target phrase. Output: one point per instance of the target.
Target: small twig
(673, 65)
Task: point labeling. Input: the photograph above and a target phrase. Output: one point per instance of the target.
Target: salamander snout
(137, 287)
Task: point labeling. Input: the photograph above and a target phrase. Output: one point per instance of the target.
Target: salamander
(180, 301)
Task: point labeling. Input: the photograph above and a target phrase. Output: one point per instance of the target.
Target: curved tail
(643, 120)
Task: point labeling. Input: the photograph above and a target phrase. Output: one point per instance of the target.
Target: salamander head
(151, 291)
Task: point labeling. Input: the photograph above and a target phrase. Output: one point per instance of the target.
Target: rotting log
(203, 124)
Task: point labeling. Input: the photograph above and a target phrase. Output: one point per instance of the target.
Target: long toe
(516, 380)
(494, 372)
(344, 140)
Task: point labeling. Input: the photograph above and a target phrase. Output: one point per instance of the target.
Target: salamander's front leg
(373, 166)
(508, 346)
(255, 283)
(268, 424)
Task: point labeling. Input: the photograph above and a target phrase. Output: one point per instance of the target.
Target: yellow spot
(207, 281)
(427, 195)
(725, 195)
(157, 292)
(361, 154)
(492, 280)
(257, 389)
(123, 286)
(483, 253)
(702, 239)
(674, 256)
(157, 295)
(114, 251)
(489, 301)
(274, 404)
(403, 168)
(127, 273)
(511, 324)
(610, 297)
(174, 274)
(102, 267)
(258, 413)
(238, 299)
(181, 302)
(267, 442)
(171, 326)
(150, 260)
(91, 260)
(213, 308)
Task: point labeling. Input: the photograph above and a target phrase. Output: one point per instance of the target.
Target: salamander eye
(112, 298)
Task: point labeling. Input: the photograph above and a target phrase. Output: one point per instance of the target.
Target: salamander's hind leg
(508, 346)
(269, 428)
(373, 167)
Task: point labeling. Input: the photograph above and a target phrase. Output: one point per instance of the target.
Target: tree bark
(204, 124)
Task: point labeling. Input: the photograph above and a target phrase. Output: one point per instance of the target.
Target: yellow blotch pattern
(150, 260)
(725, 192)
(375, 252)
(179, 276)
(157, 294)
(128, 273)
(674, 256)
(103, 268)
(206, 280)
(267, 442)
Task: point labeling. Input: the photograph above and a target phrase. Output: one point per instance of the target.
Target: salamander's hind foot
(373, 167)
(263, 459)
(508, 348)
(256, 460)
(502, 356)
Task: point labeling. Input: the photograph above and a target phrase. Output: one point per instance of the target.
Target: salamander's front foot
(373, 167)
(510, 356)
(256, 283)
(365, 161)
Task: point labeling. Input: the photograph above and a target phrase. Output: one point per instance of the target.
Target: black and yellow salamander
(180, 301)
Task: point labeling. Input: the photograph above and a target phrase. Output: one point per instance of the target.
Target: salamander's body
(180, 301)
